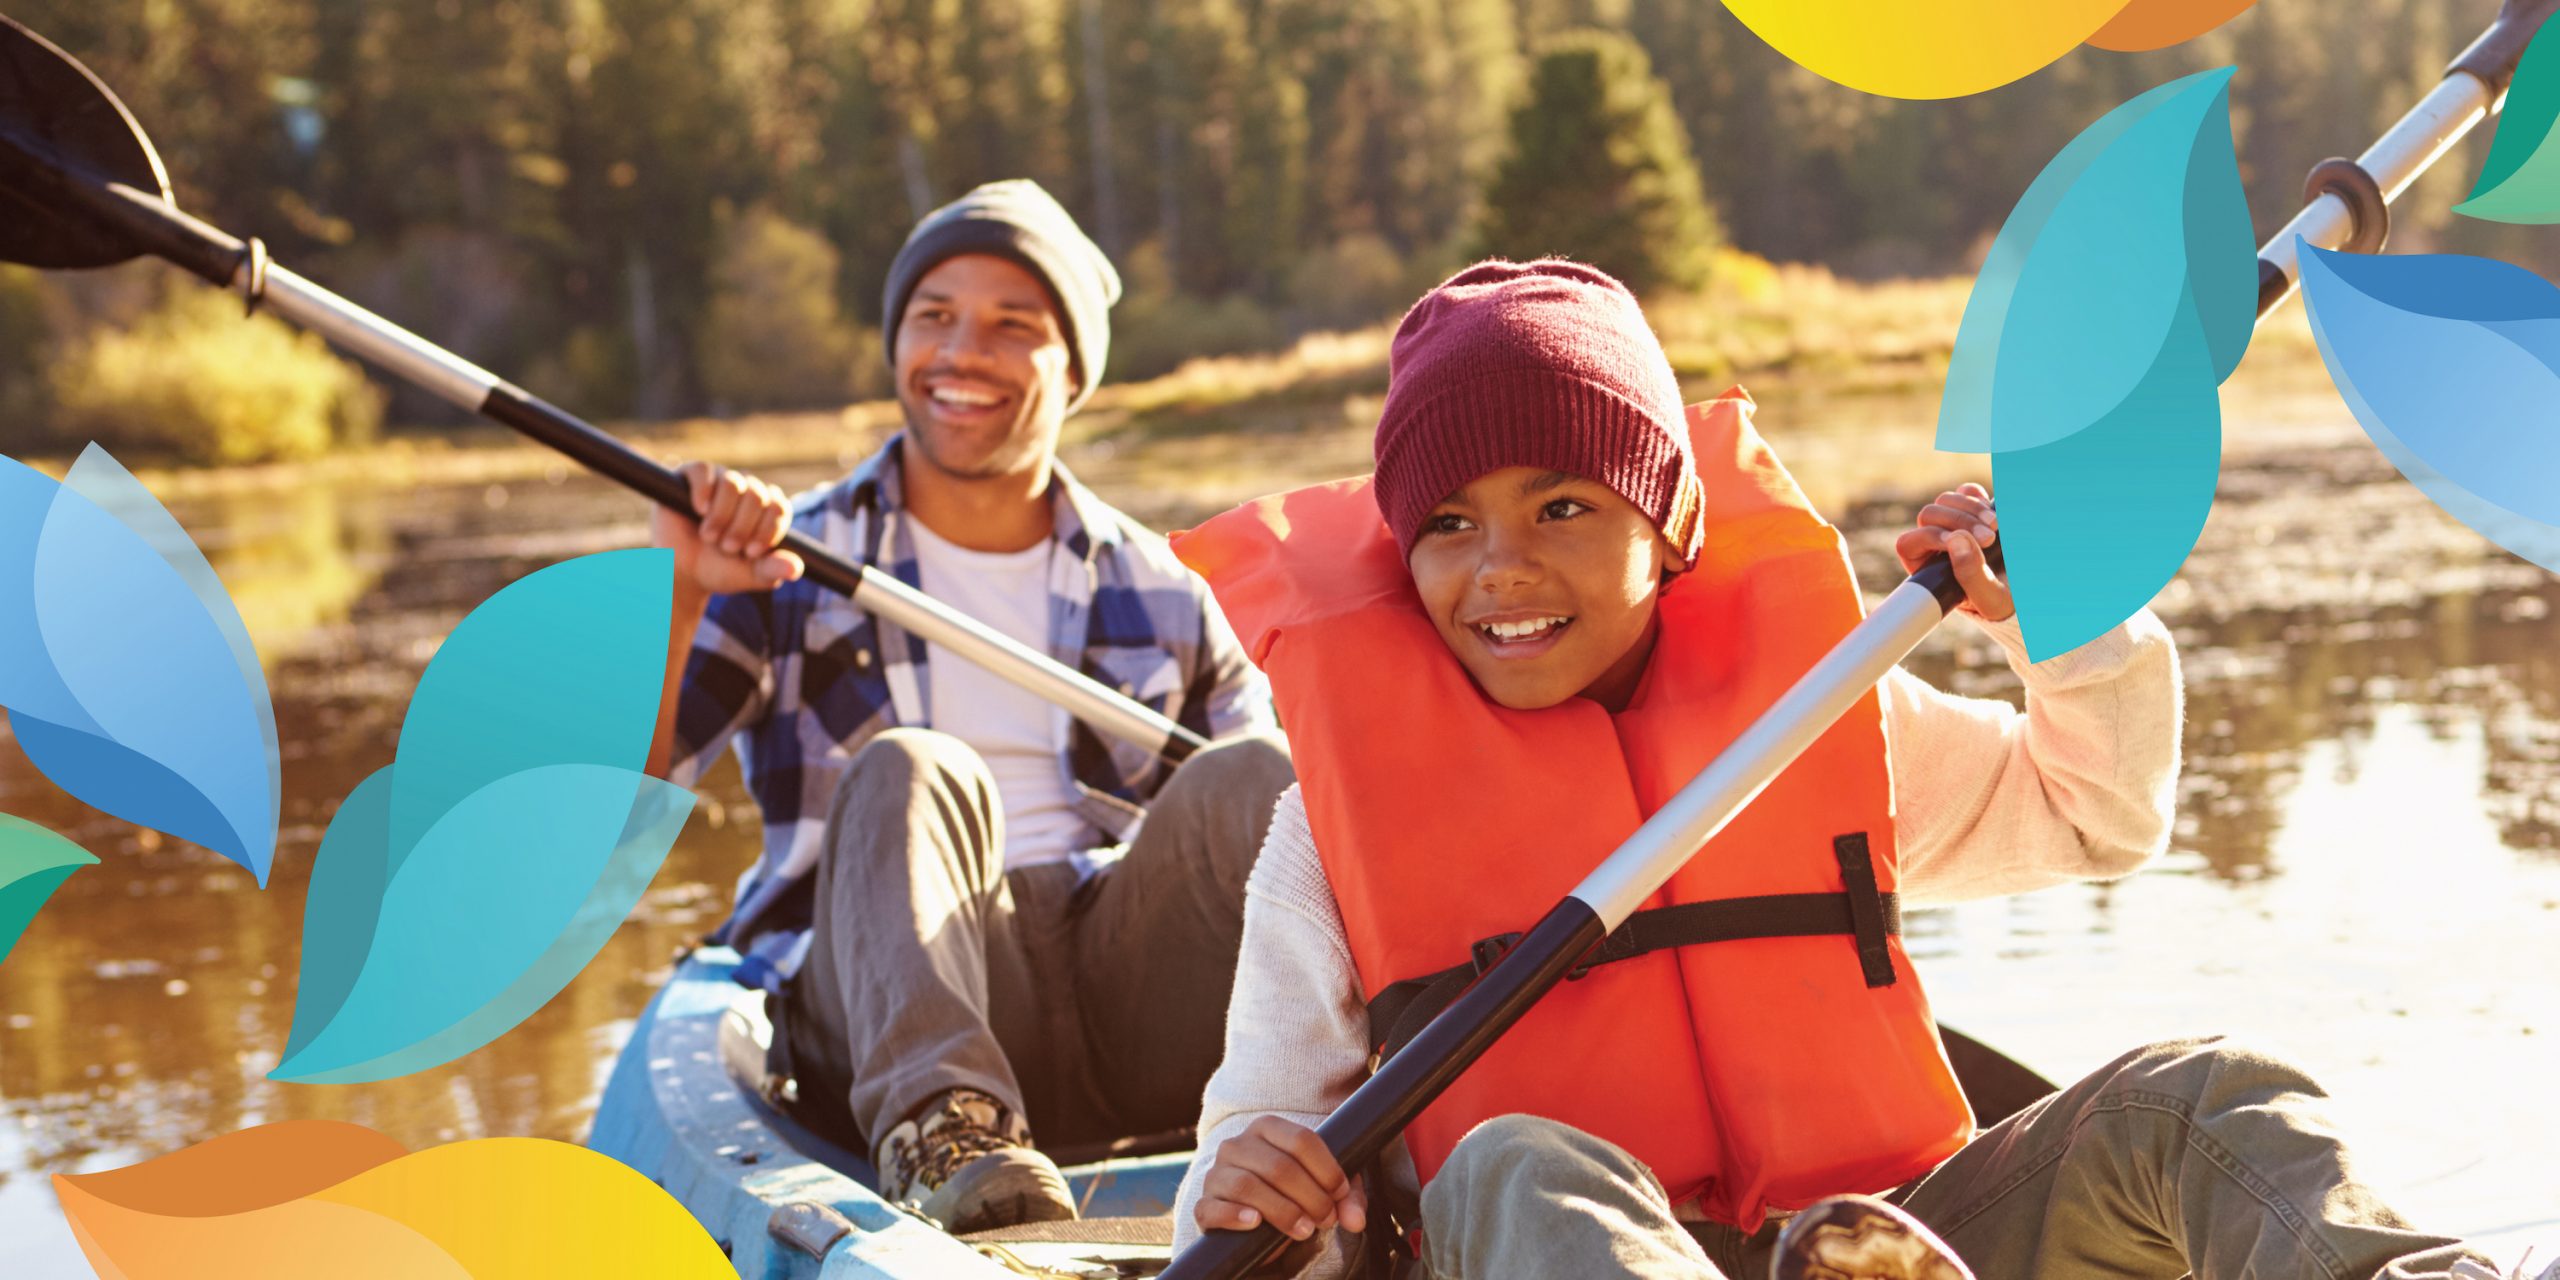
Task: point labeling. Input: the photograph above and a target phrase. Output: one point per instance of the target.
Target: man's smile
(965, 399)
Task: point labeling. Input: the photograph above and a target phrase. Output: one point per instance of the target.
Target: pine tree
(1600, 171)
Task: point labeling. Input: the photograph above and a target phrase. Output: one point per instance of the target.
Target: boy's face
(1543, 584)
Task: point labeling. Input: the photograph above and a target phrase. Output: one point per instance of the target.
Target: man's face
(1543, 584)
(983, 367)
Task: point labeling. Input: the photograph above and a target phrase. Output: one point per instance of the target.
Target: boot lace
(955, 1129)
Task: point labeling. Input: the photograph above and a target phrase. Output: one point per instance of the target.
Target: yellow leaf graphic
(1951, 48)
(1938, 50)
(316, 1199)
(512, 1209)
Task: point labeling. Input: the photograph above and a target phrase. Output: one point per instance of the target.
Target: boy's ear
(1688, 510)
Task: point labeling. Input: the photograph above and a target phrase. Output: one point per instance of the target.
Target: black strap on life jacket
(1400, 1012)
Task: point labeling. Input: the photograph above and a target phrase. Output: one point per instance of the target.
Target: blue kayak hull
(672, 1112)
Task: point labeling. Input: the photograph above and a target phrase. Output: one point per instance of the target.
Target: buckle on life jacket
(1625, 942)
(1488, 952)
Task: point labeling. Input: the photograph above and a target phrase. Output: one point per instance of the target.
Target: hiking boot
(965, 1161)
(1862, 1238)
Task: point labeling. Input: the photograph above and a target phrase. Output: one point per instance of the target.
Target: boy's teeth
(1521, 630)
(973, 398)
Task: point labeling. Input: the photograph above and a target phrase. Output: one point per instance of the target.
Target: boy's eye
(1443, 522)
(1564, 509)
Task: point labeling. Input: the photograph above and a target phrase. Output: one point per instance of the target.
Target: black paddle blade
(55, 115)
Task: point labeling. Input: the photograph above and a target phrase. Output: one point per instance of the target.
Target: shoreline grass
(1847, 375)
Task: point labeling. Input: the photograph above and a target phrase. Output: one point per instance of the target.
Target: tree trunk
(1097, 101)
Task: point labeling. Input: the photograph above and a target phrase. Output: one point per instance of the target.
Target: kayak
(785, 1203)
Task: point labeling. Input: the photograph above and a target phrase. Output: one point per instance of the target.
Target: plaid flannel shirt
(798, 678)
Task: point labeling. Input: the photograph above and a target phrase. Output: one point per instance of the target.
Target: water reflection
(145, 1004)
(2264, 686)
(296, 560)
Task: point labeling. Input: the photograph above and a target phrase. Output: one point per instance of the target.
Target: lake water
(2366, 871)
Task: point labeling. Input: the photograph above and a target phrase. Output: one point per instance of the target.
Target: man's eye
(1564, 509)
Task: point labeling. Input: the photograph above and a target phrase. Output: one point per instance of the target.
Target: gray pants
(1095, 1010)
(2190, 1157)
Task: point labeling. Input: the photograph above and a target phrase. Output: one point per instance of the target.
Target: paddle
(2348, 205)
(2348, 202)
(81, 186)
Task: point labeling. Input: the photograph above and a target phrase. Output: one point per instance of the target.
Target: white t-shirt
(1021, 736)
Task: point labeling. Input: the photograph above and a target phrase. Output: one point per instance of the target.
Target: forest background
(647, 209)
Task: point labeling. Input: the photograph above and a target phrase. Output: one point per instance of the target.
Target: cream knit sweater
(1989, 800)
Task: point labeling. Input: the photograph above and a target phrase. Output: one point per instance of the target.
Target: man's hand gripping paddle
(81, 186)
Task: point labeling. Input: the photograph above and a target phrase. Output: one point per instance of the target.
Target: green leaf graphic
(2521, 180)
(33, 863)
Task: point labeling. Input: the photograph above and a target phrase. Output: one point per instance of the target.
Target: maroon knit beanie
(1546, 364)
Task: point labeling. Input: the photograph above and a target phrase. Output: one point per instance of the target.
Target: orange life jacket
(1750, 1073)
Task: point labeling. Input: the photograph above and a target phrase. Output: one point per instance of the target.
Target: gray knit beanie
(1016, 219)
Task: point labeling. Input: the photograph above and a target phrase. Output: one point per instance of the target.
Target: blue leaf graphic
(2136, 467)
(2452, 365)
(463, 886)
(503, 901)
(2118, 296)
(97, 476)
(559, 660)
(128, 676)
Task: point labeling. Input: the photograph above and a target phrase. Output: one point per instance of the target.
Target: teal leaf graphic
(2520, 182)
(2119, 295)
(33, 863)
(468, 882)
(128, 676)
(2452, 365)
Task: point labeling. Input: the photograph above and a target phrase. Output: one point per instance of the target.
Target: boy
(1621, 592)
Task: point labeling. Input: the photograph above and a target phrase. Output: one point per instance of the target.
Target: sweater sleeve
(1991, 800)
(1297, 1030)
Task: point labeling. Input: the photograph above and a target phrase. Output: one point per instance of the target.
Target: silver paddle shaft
(1694, 814)
(471, 387)
(2444, 117)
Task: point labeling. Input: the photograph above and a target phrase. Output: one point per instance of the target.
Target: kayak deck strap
(1155, 1232)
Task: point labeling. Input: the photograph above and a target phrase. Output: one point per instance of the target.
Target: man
(966, 924)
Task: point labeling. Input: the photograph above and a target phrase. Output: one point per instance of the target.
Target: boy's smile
(1521, 633)
(1543, 584)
